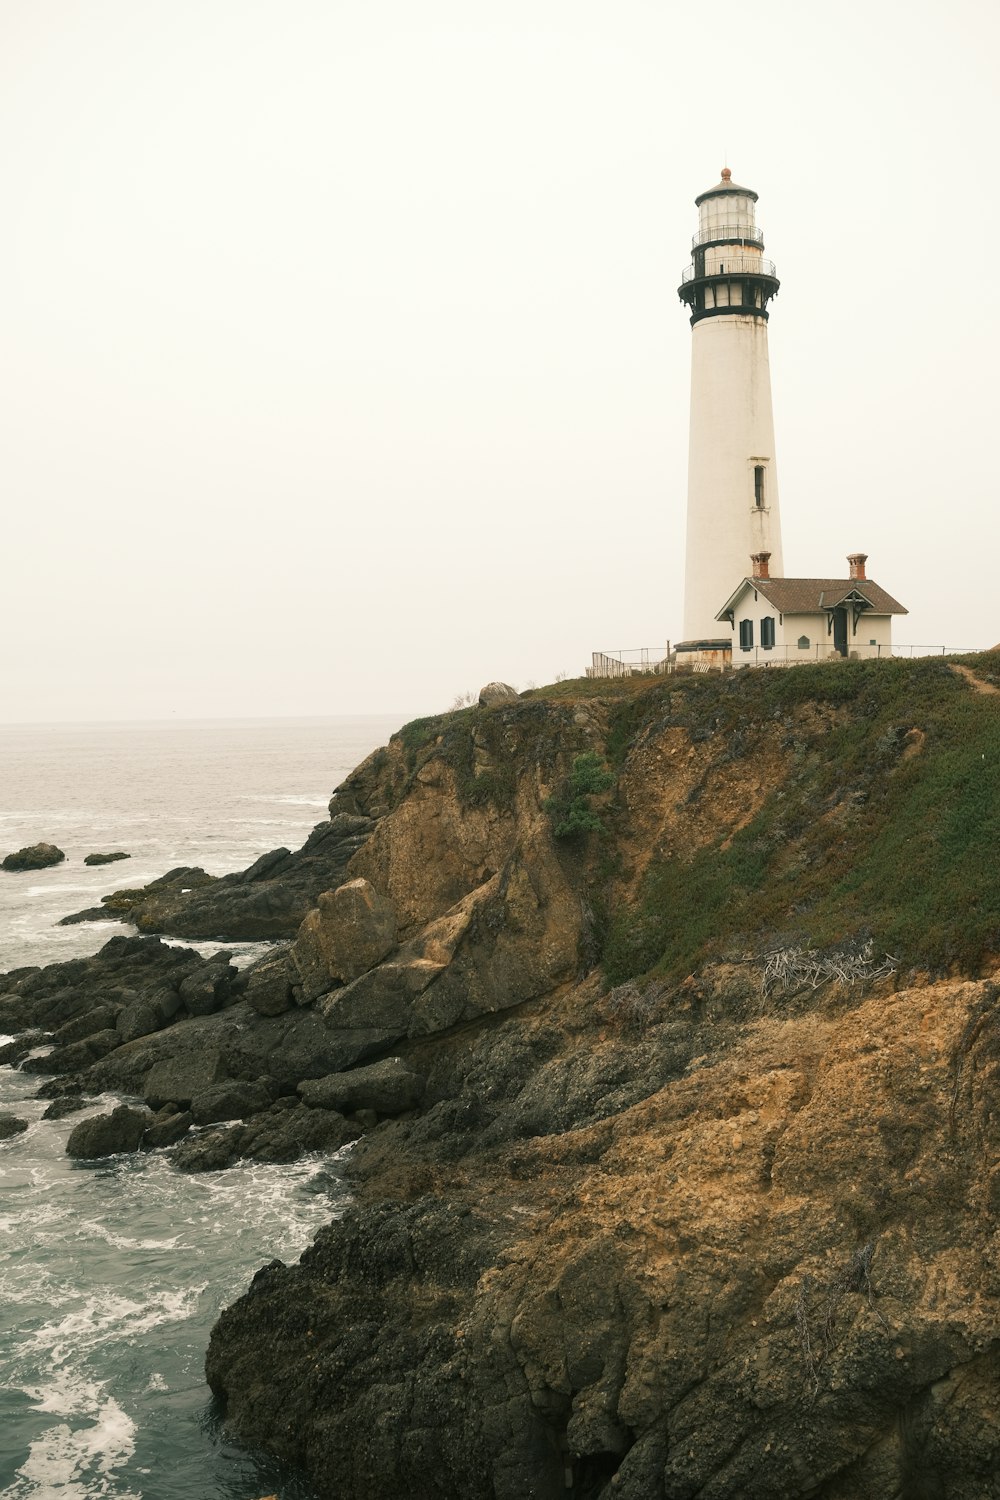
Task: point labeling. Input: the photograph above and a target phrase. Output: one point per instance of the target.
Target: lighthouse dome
(725, 187)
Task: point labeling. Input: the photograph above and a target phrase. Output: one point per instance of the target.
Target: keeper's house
(780, 621)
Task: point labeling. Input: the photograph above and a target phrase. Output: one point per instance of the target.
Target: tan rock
(349, 932)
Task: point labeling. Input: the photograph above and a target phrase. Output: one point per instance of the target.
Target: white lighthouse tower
(732, 481)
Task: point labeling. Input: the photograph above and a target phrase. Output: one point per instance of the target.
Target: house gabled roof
(811, 596)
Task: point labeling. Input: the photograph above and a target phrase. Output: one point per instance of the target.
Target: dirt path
(974, 682)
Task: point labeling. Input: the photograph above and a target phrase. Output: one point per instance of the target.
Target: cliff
(684, 1181)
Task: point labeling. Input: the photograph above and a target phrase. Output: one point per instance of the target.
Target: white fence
(658, 660)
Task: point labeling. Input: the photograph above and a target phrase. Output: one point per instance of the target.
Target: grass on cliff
(876, 830)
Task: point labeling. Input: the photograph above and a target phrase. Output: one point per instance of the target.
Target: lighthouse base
(715, 655)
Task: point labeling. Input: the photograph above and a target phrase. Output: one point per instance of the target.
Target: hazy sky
(341, 362)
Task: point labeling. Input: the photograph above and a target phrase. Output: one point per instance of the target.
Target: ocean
(112, 1273)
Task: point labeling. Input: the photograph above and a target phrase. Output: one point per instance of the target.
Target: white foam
(76, 1463)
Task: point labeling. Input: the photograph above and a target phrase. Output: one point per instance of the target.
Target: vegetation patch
(571, 809)
(861, 838)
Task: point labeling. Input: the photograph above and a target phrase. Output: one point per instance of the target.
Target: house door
(840, 631)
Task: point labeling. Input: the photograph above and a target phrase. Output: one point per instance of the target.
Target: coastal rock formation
(33, 857)
(674, 1100)
(105, 859)
(107, 1135)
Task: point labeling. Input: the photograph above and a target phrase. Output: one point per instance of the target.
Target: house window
(767, 632)
(758, 486)
(746, 635)
(803, 643)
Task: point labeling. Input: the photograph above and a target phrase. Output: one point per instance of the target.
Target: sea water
(112, 1273)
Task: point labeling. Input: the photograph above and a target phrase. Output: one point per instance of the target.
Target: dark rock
(389, 1087)
(169, 1126)
(88, 1023)
(33, 857)
(69, 1104)
(207, 989)
(107, 1135)
(76, 1056)
(11, 1125)
(286, 1132)
(11, 1053)
(179, 1079)
(104, 859)
(269, 988)
(139, 1019)
(232, 1100)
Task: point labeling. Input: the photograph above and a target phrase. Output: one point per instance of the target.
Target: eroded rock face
(721, 1264)
(350, 930)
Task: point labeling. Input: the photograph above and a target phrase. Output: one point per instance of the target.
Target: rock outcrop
(676, 1131)
(105, 859)
(33, 857)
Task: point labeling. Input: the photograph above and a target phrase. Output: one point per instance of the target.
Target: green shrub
(570, 808)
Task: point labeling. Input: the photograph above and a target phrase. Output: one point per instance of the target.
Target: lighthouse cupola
(727, 269)
(732, 510)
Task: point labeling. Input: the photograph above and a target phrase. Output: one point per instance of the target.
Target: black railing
(733, 265)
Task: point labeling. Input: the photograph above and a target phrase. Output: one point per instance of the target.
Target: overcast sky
(341, 362)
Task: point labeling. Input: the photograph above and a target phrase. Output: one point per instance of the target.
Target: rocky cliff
(667, 1024)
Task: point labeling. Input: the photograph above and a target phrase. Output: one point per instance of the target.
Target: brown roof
(808, 596)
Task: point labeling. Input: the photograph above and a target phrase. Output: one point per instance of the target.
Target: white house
(779, 621)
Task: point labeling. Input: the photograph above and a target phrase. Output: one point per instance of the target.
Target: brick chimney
(760, 562)
(856, 562)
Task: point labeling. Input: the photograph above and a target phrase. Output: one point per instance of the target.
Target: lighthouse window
(767, 632)
(746, 635)
(758, 485)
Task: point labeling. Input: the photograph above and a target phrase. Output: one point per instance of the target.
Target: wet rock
(33, 857)
(77, 1056)
(107, 1135)
(232, 1100)
(285, 1132)
(176, 1080)
(11, 1125)
(349, 931)
(105, 859)
(389, 1087)
(68, 1104)
(138, 1019)
(169, 1126)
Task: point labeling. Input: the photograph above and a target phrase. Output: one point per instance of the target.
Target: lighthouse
(732, 511)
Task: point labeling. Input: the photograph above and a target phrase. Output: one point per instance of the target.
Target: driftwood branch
(795, 968)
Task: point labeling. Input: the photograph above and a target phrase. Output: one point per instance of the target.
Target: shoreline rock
(32, 857)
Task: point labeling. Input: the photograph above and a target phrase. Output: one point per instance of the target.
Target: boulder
(388, 1087)
(33, 857)
(168, 1127)
(138, 1019)
(207, 989)
(11, 1125)
(76, 1056)
(497, 692)
(286, 1131)
(176, 1080)
(346, 934)
(269, 985)
(69, 1104)
(107, 1135)
(104, 859)
(231, 1100)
